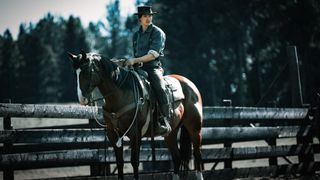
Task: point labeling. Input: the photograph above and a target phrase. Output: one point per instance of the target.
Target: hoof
(191, 175)
(175, 177)
(184, 166)
(199, 175)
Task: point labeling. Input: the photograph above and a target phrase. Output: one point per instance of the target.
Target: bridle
(137, 104)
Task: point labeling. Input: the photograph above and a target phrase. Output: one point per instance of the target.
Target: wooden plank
(50, 111)
(89, 156)
(188, 175)
(71, 158)
(237, 134)
(37, 147)
(91, 112)
(8, 174)
(233, 113)
(242, 153)
(209, 135)
(286, 171)
(273, 172)
(52, 136)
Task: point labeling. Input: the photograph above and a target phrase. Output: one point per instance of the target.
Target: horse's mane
(117, 74)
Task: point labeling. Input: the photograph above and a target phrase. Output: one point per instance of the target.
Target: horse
(125, 111)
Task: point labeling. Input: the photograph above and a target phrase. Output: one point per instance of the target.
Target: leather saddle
(173, 91)
(173, 87)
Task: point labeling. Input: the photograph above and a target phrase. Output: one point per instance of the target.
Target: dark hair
(140, 15)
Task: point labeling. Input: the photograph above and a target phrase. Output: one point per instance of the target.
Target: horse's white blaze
(82, 99)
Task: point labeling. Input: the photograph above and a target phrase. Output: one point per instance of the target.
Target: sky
(15, 12)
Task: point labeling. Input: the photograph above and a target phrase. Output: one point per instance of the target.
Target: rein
(138, 102)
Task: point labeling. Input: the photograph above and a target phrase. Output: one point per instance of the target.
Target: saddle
(173, 91)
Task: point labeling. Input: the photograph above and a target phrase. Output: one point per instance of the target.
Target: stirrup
(163, 129)
(168, 127)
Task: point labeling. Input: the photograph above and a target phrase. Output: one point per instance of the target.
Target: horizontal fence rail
(86, 144)
(209, 135)
(50, 111)
(254, 113)
(85, 156)
(91, 112)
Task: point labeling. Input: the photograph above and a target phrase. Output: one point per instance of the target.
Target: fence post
(296, 92)
(273, 161)
(297, 101)
(8, 174)
(227, 144)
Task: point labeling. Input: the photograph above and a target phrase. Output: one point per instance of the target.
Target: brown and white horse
(124, 115)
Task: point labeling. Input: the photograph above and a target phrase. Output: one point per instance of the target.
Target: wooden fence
(74, 145)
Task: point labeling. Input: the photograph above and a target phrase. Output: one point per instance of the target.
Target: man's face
(146, 19)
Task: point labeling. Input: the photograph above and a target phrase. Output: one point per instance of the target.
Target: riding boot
(163, 127)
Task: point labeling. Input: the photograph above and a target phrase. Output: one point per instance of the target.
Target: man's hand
(119, 62)
(131, 62)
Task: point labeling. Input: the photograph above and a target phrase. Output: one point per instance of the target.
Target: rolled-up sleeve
(157, 43)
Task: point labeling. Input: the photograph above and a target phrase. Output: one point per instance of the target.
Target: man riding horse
(119, 87)
(148, 47)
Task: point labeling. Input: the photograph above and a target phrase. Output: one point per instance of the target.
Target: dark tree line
(229, 49)
(234, 49)
(34, 68)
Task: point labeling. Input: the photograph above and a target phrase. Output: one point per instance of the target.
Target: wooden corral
(74, 145)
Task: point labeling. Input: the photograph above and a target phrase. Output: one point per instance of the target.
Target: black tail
(185, 147)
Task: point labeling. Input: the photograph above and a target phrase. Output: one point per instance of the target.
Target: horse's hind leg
(195, 136)
(194, 129)
(196, 140)
(185, 148)
(171, 142)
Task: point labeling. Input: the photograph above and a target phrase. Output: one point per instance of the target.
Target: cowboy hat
(145, 10)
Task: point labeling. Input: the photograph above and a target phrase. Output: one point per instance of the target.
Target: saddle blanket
(175, 87)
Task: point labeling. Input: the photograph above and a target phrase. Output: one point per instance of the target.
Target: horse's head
(88, 70)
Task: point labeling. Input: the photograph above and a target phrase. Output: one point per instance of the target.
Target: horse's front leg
(118, 152)
(135, 152)
(119, 158)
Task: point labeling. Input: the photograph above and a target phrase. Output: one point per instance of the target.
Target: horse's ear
(84, 54)
(71, 56)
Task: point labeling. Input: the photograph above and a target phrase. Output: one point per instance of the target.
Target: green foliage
(8, 65)
(35, 67)
(230, 49)
(238, 47)
(112, 39)
(74, 40)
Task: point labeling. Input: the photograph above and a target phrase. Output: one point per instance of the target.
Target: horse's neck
(114, 96)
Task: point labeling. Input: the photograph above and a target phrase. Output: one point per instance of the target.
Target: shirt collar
(148, 29)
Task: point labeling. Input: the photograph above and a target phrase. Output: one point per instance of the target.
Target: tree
(117, 39)
(8, 66)
(74, 40)
(29, 48)
(50, 35)
(240, 46)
